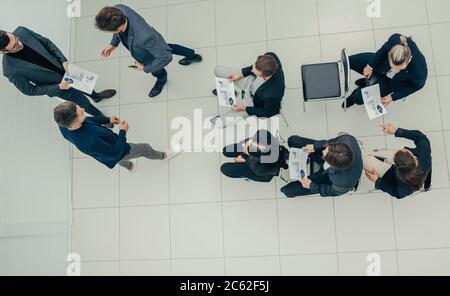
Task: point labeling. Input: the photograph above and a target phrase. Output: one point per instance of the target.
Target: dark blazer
(98, 142)
(408, 81)
(342, 181)
(390, 183)
(31, 79)
(145, 44)
(267, 99)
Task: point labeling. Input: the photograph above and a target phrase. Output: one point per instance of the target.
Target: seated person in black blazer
(90, 137)
(262, 85)
(400, 172)
(399, 67)
(259, 158)
(341, 166)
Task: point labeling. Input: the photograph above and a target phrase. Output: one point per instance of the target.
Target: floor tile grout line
(366, 195)
(168, 164)
(220, 176)
(276, 200)
(439, 93)
(274, 255)
(328, 133)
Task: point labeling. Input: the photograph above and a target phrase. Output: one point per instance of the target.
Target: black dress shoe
(103, 95)
(157, 89)
(350, 101)
(187, 61)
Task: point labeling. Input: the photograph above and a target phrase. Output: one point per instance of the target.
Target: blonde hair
(401, 53)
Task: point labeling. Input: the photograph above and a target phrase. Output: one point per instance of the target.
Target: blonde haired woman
(399, 67)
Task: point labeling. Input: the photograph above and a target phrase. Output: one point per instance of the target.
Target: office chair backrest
(347, 70)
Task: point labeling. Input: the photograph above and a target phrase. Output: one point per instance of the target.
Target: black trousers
(357, 63)
(239, 170)
(79, 98)
(296, 189)
(177, 49)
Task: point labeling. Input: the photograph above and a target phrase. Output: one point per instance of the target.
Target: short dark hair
(109, 19)
(339, 155)
(65, 114)
(4, 40)
(408, 171)
(267, 65)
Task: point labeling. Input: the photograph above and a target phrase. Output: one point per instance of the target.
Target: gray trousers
(242, 84)
(140, 150)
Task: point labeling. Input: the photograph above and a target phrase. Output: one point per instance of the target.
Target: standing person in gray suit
(37, 67)
(340, 162)
(145, 44)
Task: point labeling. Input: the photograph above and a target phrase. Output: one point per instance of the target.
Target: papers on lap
(225, 92)
(298, 164)
(81, 79)
(372, 101)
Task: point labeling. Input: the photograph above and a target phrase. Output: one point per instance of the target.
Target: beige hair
(401, 53)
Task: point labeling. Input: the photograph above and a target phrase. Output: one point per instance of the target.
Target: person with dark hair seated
(259, 158)
(91, 138)
(340, 164)
(145, 44)
(399, 67)
(262, 86)
(36, 67)
(400, 172)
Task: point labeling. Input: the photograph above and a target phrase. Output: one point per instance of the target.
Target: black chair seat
(321, 81)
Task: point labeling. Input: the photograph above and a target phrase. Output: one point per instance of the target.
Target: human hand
(65, 85)
(387, 100)
(308, 149)
(124, 126)
(306, 183)
(389, 129)
(107, 51)
(372, 176)
(114, 120)
(368, 72)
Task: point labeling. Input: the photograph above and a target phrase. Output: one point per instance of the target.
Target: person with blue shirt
(90, 137)
(398, 67)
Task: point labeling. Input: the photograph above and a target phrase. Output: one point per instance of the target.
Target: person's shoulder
(395, 38)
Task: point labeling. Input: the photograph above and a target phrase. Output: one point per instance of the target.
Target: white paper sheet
(81, 79)
(372, 101)
(298, 164)
(225, 92)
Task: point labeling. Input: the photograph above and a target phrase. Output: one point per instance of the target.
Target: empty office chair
(326, 81)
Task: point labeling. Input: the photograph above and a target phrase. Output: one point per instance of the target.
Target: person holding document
(259, 158)
(37, 67)
(400, 172)
(399, 67)
(340, 164)
(145, 44)
(262, 86)
(91, 138)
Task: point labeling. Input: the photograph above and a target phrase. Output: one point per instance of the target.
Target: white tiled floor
(184, 218)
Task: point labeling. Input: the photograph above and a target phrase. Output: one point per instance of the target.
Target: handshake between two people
(123, 125)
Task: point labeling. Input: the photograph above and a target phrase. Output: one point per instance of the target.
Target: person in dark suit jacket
(91, 138)
(37, 67)
(259, 158)
(400, 172)
(399, 67)
(262, 85)
(145, 44)
(340, 164)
